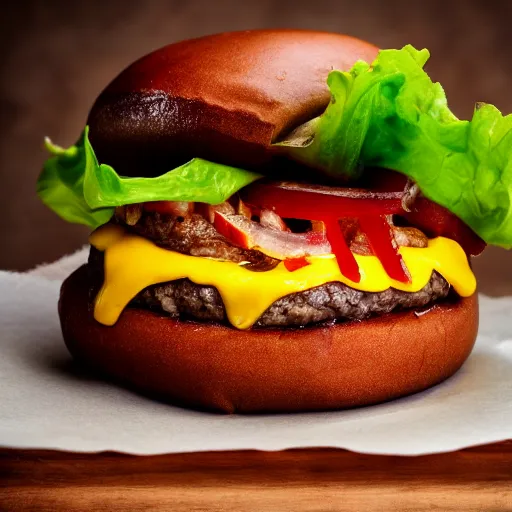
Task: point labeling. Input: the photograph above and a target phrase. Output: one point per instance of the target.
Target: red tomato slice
(378, 232)
(297, 201)
(370, 206)
(329, 204)
(435, 220)
(293, 264)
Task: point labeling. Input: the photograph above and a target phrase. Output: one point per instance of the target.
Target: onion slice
(270, 219)
(281, 245)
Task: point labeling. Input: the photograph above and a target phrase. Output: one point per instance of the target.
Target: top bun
(224, 98)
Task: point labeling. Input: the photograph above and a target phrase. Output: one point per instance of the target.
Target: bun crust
(219, 368)
(224, 97)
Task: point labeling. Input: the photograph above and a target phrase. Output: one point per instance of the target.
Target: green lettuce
(390, 114)
(79, 189)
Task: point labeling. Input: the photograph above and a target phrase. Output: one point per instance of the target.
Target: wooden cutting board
(476, 479)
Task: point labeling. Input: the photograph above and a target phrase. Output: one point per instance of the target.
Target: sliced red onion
(276, 244)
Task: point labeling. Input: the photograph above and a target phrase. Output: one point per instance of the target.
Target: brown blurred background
(55, 58)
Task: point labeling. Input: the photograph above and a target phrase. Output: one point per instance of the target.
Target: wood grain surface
(476, 479)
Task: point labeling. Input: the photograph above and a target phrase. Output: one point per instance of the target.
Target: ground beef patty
(194, 235)
(329, 302)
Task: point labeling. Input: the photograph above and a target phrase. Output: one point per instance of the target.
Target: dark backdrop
(57, 56)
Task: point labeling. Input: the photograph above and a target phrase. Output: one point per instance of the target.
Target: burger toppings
(385, 115)
(332, 206)
(195, 235)
(213, 241)
(232, 237)
(279, 244)
(133, 263)
(389, 114)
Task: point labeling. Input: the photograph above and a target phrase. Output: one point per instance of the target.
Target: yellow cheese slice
(132, 263)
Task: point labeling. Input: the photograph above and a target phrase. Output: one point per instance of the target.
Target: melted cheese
(132, 263)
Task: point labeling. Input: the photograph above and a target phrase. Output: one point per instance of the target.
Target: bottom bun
(216, 367)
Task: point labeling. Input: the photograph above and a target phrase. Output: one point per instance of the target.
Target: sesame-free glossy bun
(217, 367)
(223, 97)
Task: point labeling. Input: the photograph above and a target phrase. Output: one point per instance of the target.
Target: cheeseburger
(281, 220)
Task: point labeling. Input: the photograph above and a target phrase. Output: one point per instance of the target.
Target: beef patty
(194, 235)
(326, 303)
(330, 302)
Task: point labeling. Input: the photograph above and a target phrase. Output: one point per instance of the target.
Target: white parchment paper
(46, 401)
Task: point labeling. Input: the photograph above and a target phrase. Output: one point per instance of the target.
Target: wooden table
(476, 479)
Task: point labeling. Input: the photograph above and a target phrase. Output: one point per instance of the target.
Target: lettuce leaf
(79, 189)
(390, 114)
